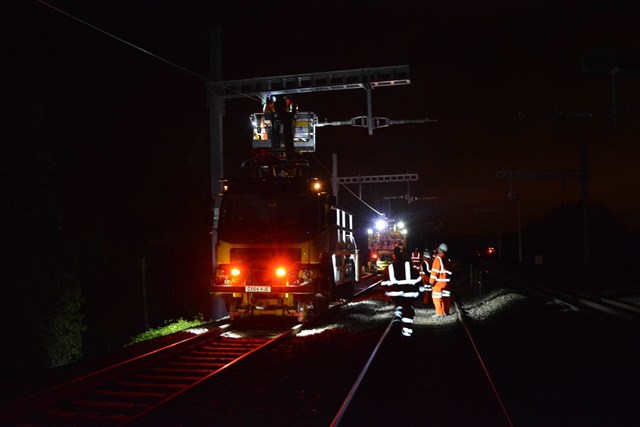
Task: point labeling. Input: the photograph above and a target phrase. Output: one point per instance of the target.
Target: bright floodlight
(401, 225)
(380, 224)
(369, 231)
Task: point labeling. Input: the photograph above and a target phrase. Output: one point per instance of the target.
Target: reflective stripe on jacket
(440, 271)
(415, 259)
(406, 287)
(425, 273)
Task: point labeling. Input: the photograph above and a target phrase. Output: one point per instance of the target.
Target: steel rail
(462, 320)
(356, 385)
(187, 376)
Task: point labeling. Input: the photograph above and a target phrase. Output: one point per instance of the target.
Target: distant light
(381, 224)
(401, 225)
(369, 231)
(404, 231)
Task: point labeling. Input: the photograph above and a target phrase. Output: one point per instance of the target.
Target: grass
(170, 327)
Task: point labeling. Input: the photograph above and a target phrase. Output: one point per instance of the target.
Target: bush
(170, 327)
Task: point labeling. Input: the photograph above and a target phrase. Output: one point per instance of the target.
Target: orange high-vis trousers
(441, 298)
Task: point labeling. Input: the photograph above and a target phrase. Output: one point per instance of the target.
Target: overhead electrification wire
(145, 51)
(345, 187)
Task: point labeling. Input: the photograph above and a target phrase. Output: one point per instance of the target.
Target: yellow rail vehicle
(283, 248)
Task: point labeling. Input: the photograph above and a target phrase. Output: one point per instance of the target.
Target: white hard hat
(443, 247)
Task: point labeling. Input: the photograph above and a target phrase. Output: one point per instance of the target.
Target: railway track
(119, 394)
(425, 380)
(339, 369)
(579, 299)
(547, 363)
(349, 382)
(560, 356)
(531, 363)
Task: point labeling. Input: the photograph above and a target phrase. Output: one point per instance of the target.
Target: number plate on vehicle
(257, 288)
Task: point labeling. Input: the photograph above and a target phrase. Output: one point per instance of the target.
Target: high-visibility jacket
(403, 282)
(425, 273)
(440, 279)
(440, 271)
(415, 259)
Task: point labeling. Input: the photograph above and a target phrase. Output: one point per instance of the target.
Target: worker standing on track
(425, 274)
(415, 259)
(403, 282)
(440, 279)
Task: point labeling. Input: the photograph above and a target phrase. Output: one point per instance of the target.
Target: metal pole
(519, 230)
(584, 177)
(216, 108)
(145, 305)
(512, 195)
(614, 96)
(369, 110)
(334, 177)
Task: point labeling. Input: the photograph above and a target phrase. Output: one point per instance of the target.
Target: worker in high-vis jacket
(416, 258)
(440, 280)
(402, 283)
(425, 275)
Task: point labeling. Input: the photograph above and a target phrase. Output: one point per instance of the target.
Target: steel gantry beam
(361, 78)
(538, 174)
(377, 179)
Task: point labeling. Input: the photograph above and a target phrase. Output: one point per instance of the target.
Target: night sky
(124, 122)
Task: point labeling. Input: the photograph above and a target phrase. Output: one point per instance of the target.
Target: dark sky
(493, 73)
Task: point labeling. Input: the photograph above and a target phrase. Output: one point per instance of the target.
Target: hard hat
(426, 254)
(443, 247)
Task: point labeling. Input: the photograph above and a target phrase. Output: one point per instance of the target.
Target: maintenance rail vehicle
(382, 239)
(284, 248)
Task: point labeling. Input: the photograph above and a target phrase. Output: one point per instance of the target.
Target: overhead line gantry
(260, 87)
